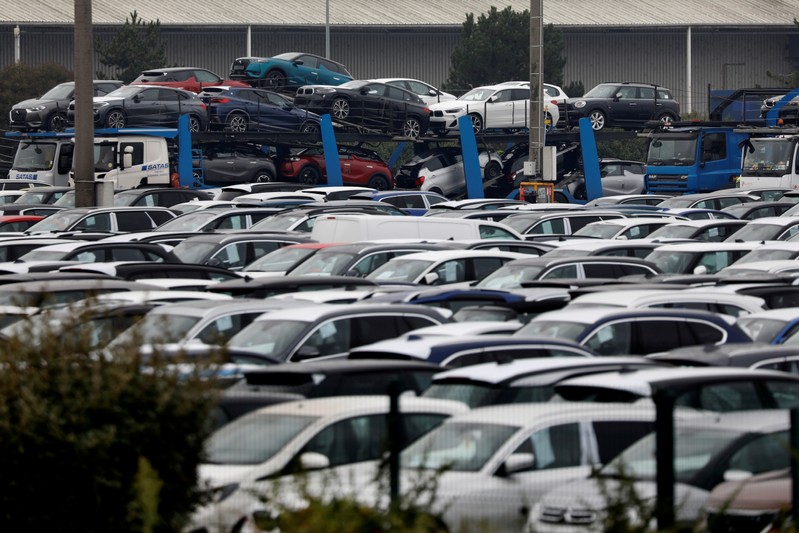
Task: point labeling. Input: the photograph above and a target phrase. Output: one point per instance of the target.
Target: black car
(620, 105)
(157, 197)
(229, 163)
(371, 105)
(242, 109)
(146, 106)
(49, 112)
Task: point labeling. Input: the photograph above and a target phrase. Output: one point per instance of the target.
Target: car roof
(347, 406)
(205, 308)
(707, 246)
(311, 313)
(591, 315)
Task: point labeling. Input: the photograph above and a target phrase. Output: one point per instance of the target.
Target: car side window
(492, 232)
(613, 437)
(612, 339)
(555, 447)
(204, 76)
(127, 254)
(723, 397)
(450, 272)
(164, 95)
(98, 222)
(764, 453)
(331, 338)
(231, 256)
(309, 61)
(627, 92)
(133, 221)
(562, 272)
(503, 96)
(646, 93)
(784, 393)
(376, 89)
(138, 151)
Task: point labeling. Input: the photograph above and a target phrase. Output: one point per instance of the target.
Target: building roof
(569, 13)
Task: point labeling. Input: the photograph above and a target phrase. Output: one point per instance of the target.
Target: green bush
(21, 82)
(96, 443)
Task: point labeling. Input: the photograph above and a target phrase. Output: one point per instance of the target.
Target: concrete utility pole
(83, 157)
(535, 159)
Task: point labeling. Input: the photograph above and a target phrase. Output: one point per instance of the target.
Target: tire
(411, 128)
(309, 175)
(492, 171)
(437, 191)
(667, 117)
(263, 176)
(477, 122)
(340, 108)
(559, 198)
(379, 182)
(598, 120)
(55, 122)
(115, 119)
(195, 124)
(275, 79)
(549, 127)
(309, 127)
(237, 122)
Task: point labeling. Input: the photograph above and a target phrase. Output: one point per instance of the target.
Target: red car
(186, 78)
(359, 166)
(17, 222)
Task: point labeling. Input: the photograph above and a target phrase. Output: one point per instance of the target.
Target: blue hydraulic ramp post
(471, 161)
(330, 150)
(774, 113)
(395, 155)
(184, 152)
(593, 179)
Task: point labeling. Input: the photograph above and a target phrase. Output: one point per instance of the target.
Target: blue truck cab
(693, 159)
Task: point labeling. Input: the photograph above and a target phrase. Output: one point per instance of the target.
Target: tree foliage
(495, 47)
(137, 46)
(21, 82)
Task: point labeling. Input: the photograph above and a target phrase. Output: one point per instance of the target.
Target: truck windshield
(34, 156)
(770, 157)
(672, 151)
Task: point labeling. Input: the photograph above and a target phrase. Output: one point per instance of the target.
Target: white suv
(504, 106)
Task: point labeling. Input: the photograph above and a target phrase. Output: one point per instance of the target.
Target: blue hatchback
(242, 109)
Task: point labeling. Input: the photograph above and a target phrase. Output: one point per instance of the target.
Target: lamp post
(327, 29)
(535, 161)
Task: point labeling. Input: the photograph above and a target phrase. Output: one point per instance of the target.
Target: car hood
(34, 102)
(107, 99)
(453, 104)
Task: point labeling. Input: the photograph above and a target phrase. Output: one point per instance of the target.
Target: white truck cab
(770, 162)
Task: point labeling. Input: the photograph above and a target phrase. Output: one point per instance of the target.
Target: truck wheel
(309, 175)
(379, 182)
(275, 79)
(55, 122)
(115, 119)
(237, 122)
(263, 176)
(340, 108)
(598, 120)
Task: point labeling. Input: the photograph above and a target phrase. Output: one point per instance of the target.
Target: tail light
(219, 100)
(553, 102)
(426, 110)
(419, 181)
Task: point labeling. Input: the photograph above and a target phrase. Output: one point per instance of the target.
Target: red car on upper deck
(359, 166)
(187, 78)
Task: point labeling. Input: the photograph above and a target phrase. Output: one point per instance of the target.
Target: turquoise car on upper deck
(292, 69)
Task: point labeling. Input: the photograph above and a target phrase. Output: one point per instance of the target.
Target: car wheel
(437, 191)
(194, 124)
(309, 175)
(263, 176)
(237, 122)
(309, 127)
(598, 120)
(477, 122)
(115, 119)
(411, 128)
(667, 117)
(55, 122)
(492, 171)
(275, 79)
(379, 182)
(560, 198)
(340, 108)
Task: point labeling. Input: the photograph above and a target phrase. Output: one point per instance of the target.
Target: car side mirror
(306, 352)
(430, 278)
(700, 270)
(137, 98)
(364, 90)
(352, 273)
(617, 97)
(432, 92)
(518, 462)
(314, 461)
(736, 475)
(492, 99)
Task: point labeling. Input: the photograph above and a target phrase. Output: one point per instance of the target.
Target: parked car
(621, 105)
(755, 504)
(103, 219)
(49, 112)
(704, 300)
(709, 230)
(241, 109)
(698, 258)
(490, 107)
(429, 94)
(525, 272)
(359, 166)
(759, 209)
(618, 177)
(622, 228)
(554, 224)
(714, 200)
(441, 171)
(144, 105)
(226, 163)
(776, 228)
(609, 331)
(187, 78)
(706, 449)
(166, 197)
(289, 70)
(411, 202)
(231, 250)
(370, 105)
(98, 252)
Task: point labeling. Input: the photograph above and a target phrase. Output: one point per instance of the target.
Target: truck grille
(562, 515)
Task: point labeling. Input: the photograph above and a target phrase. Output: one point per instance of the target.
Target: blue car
(289, 70)
(241, 109)
(412, 202)
(775, 326)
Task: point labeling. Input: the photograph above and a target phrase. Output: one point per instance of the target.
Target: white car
(503, 106)
(441, 170)
(425, 91)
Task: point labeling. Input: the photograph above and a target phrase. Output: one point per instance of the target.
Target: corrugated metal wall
(723, 59)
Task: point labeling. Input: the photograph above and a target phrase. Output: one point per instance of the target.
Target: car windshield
(477, 95)
(559, 329)
(156, 328)
(59, 92)
(125, 198)
(765, 255)
(255, 438)
(601, 231)
(288, 56)
(43, 255)
(280, 260)
(277, 222)
(269, 337)
(521, 223)
(461, 447)
(510, 276)
(57, 222)
(759, 232)
(601, 91)
(762, 329)
(124, 92)
(355, 84)
(324, 264)
(193, 221)
(472, 394)
(672, 262)
(694, 449)
(403, 270)
(193, 252)
(673, 231)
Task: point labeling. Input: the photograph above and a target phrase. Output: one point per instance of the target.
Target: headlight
(262, 60)
(101, 104)
(453, 111)
(36, 108)
(579, 104)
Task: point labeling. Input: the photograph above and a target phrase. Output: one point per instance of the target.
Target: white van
(353, 228)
